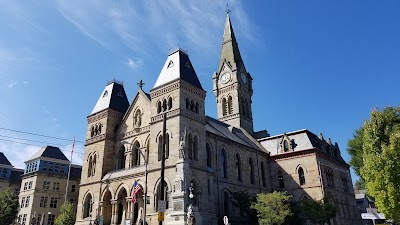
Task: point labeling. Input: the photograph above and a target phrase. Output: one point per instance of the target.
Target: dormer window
(187, 64)
(120, 94)
(170, 64)
(105, 94)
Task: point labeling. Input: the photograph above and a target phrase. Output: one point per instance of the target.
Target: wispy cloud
(134, 63)
(12, 83)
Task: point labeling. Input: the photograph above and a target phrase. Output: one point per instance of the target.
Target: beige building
(10, 177)
(213, 157)
(44, 184)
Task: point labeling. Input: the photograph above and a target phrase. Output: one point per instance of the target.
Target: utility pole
(162, 197)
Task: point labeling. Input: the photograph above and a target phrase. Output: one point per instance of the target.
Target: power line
(29, 144)
(40, 135)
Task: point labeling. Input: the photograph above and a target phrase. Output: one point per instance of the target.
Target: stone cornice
(178, 112)
(174, 85)
(134, 132)
(102, 114)
(99, 138)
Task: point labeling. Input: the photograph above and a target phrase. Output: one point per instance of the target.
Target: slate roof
(113, 97)
(76, 171)
(230, 49)
(16, 175)
(4, 160)
(49, 152)
(176, 66)
(229, 132)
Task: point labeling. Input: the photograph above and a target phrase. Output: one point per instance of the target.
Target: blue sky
(320, 65)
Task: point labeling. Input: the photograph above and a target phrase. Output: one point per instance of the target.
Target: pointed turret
(230, 50)
(178, 66)
(112, 97)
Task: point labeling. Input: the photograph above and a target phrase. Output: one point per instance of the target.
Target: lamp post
(145, 178)
(190, 214)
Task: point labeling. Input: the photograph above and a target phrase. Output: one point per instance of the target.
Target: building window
(46, 185)
(73, 188)
(190, 144)
(251, 169)
(263, 174)
(27, 201)
(158, 195)
(208, 152)
(224, 107)
(158, 107)
(44, 166)
(30, 185)
(62, 169)
(196, 108)
(121, 157)
(187, 104)
(136, 154)
(238, 167)
(23, 202)
(39, 219)
(166, 145)
(223, 164)
(302, 178)
(50, 167)
(230, 105)
(169, 103)
(191, 105)
(285, 146)
(164, 106)
(24, 219)
(4, 173)
(51, 218)
(345, 183)
(56, 168)
(226, 203)
(329, 177)
(25, 186)
(280, 179)
(160, 146)
(56, 186)
(53, 202)
(43, 201)
(195, 147)
(87, 206)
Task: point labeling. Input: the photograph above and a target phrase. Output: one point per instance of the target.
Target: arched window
(159, 147)
(92, 131)
(191, 105)
(89, 172)
(88, 206)
(169, 103)
(195, 147)
(136, 154)
(238, 167)
(158, 195)
(208, 152)
(263, 174)
(121, 158)
(187, 103)
(158, 107)
(230, 105)
(166, 145)
(93, 170)
(285, 146)
(226, 203)
(224, 106)
(302, 178)
(190, 144)
(100, 125)
(251, 169)
(280, 179)
(196, 108)
(223, 164)
(164, 106)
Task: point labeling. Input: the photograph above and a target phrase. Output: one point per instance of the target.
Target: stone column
(128, 209)
(114, 205)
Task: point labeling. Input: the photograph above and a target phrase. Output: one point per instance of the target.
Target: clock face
(243, 77)
(225, 78)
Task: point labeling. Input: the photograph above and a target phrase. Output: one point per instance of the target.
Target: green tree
(272, 208)
(354, 148)
(243, 201)
(318, 212)
(67, 216)
(9, 206)
(379, 159)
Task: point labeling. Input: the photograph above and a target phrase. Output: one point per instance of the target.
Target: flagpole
(69, 172)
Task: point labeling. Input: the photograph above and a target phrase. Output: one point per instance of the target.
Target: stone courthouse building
(212, 156)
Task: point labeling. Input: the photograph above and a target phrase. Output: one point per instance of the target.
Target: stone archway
(106, 208)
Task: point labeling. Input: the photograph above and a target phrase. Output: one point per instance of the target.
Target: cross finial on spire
(141, 84)
(227, 8)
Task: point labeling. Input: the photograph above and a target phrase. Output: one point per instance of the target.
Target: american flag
(135, 190)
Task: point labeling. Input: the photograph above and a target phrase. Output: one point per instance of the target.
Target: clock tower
(232, 84)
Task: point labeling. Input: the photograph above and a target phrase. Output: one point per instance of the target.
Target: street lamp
(145, 177)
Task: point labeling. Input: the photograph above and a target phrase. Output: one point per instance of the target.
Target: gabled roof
(112, 97)
(176, 66)
(229, 132)
(230, 50)
(4, 160)
(49, 152)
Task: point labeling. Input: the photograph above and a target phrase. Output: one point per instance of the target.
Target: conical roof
(178, 66)
(112, 97)
(230, 50)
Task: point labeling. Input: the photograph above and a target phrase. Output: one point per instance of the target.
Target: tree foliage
(67, 216)
(272, 208)
(318, 212)
(375, 151)
(9, 206)
(243, 200)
